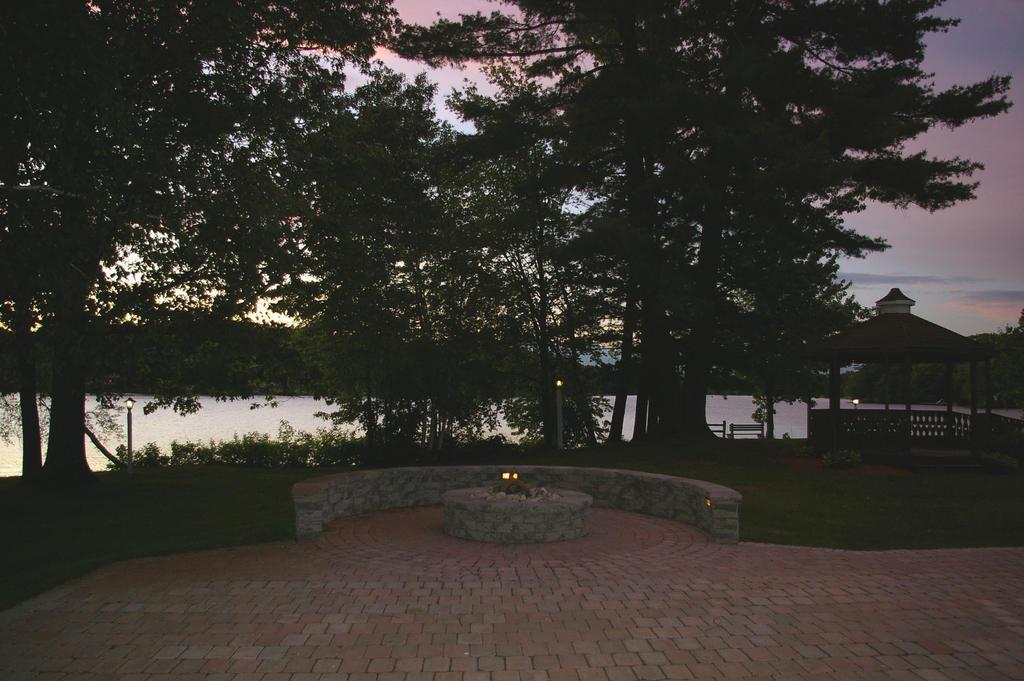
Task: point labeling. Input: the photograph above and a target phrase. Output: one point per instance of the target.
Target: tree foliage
(707, 125)
(517, 194)
(661, 183)
(147, 162)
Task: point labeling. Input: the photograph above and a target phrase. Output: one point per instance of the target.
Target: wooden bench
(717, 428)
(746, 428)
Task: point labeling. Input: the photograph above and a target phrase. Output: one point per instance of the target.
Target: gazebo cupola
(894, 302)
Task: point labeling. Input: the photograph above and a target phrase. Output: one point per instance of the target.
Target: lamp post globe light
(129, 403)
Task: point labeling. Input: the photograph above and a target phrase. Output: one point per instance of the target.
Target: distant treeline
(209, 356)
(217, 357)
(194, 356)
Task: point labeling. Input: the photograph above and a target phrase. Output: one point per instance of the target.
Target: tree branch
(40, 189)
(99, 445)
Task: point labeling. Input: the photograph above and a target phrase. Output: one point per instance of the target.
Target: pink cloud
(1000, 312)
(419, 12)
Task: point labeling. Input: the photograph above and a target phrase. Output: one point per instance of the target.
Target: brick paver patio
(388, 597)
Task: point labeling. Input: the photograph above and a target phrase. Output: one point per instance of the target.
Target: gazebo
(896, 337)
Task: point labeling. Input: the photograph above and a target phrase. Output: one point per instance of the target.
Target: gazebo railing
(998, 425)
(940, 426)
(871, 426)
(891, 429)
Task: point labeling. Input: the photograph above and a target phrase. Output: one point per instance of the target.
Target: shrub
(291, 448)
(843, 458)
(149, 456)
(802, 451)
(1008, 443)
(998, 463)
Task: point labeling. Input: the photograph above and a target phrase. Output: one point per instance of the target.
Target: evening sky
(964, 265)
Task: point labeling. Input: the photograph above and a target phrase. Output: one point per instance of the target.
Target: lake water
(223, 420)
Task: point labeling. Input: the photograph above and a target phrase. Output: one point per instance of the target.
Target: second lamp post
(129, 403)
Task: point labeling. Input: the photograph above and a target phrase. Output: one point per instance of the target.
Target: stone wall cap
(716, 492)
(310, 488)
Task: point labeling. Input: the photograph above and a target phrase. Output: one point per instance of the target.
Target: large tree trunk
(665, 410)
(546, 392)
(72, 279)
(589, 426)
(549, 420)
(371, 421)
(640, 416)
(701, 343)
(695, 386)
(22, 321)
(31, 441)
(65, 453)
(658, 378)
(624, 371)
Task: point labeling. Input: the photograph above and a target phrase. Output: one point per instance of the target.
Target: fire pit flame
(511, 485)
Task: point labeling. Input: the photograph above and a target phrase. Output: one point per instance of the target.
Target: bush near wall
(299, 449)
(843, 458)
(291, 448)
(997, 462)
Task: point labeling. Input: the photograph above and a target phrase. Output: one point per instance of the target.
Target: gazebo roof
(893, 336)
(894, 295)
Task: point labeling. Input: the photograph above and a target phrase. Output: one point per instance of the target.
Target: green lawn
(50, 537)
(783, 504)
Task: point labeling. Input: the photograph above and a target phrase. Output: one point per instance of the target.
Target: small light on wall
(559, 383)
(708, 502)
(510, 475)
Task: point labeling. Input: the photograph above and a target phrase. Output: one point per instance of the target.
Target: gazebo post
(949, 402)
(888, 381)
(974, 406)
(908, 369)
(988, 387)
(833, 400)
(988, 402)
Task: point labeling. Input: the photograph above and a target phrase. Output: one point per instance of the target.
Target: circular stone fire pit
(478, 514)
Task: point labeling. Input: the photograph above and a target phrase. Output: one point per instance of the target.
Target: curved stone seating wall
(320, 500)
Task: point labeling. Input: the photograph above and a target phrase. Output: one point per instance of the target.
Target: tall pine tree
(711, 118)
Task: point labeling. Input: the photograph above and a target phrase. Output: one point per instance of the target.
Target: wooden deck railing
(999, 424)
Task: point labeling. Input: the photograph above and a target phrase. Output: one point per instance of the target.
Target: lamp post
(129, 403)
(856, 402)
(558, 412)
